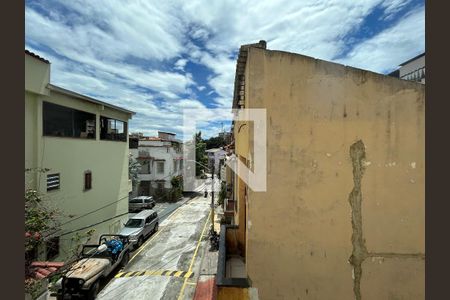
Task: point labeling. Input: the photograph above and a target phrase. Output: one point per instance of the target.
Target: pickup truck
(96, 261)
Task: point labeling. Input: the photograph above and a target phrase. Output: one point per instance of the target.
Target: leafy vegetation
(200, 154)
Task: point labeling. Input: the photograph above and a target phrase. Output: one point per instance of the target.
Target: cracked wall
(335, 224)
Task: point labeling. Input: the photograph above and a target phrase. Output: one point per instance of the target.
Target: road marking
(155, 235)
(171, 273)
(180, 296)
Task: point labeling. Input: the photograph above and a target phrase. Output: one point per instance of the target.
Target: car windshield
(134, 223)
(136, 201)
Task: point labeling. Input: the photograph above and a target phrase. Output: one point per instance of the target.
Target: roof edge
(410, 60)
(36, 56)
(61, 90)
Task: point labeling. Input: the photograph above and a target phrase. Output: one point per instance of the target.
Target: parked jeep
(97, 261)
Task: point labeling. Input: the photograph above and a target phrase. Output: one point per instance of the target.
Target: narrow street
(175, 247)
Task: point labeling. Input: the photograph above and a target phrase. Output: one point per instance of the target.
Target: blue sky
(158, 57)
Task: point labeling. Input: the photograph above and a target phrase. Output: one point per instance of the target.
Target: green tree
(200, 154)
(177, 188)
(42, 221)
(215, 142)
(133, 170)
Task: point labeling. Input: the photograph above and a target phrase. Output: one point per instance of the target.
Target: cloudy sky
(159, 57)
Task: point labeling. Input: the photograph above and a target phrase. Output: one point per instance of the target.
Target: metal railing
(416, 75)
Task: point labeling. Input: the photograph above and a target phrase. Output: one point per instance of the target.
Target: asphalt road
(174, 247)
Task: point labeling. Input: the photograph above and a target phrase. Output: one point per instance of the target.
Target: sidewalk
(206, 288)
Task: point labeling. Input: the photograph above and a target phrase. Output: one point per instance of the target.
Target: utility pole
(212, 199)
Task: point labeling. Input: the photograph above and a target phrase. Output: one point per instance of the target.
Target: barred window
(160, 167)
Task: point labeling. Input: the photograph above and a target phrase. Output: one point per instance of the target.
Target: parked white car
(141, 226)
(140, 203)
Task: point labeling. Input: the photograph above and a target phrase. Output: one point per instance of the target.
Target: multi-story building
(215, 155)
(343, 214)
(161, 159)
(412, 69)
(84, 144)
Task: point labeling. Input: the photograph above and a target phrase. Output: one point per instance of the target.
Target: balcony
(416, 75)
(229, 209)
(143, 155)
(231, 275)
(146, 177)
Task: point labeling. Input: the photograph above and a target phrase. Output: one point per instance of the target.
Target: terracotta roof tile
(42, 269)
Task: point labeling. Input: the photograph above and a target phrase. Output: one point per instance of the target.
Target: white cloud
(180, 64)
(134, 53)
(393, 6)
(392, 46)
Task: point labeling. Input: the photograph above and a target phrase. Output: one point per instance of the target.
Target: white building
(412, 69)
(214, 157)
(83, 142)
(161, 159)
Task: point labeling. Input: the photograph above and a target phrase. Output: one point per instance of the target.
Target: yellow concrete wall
(71, 157)
(299, 233)
(232, 293)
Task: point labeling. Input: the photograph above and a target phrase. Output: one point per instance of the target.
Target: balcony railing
(416, 75)
(144, 154)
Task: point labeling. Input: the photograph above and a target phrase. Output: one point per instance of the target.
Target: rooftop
(214, 150)
(36, 56)
(414, 58)
(61, 90)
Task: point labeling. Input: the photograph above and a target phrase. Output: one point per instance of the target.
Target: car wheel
(93, 291)
(125, 259)
(140, 242)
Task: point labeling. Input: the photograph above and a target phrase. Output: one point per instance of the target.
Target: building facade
(215, 156)
(84, 144)
(343, 216)
(412, 69)
(161, 159)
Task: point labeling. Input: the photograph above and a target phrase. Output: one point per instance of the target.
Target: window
(113, 130)
(52, 248)
(174, 165)
(53, 182)
(145, 167)
(148, 201)
(181, 164)
(139, 201)
(134, 223)
(160, 186)
(149, 219)
(67, 122)
(133, 143)
(87, 180)
(160, 167)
